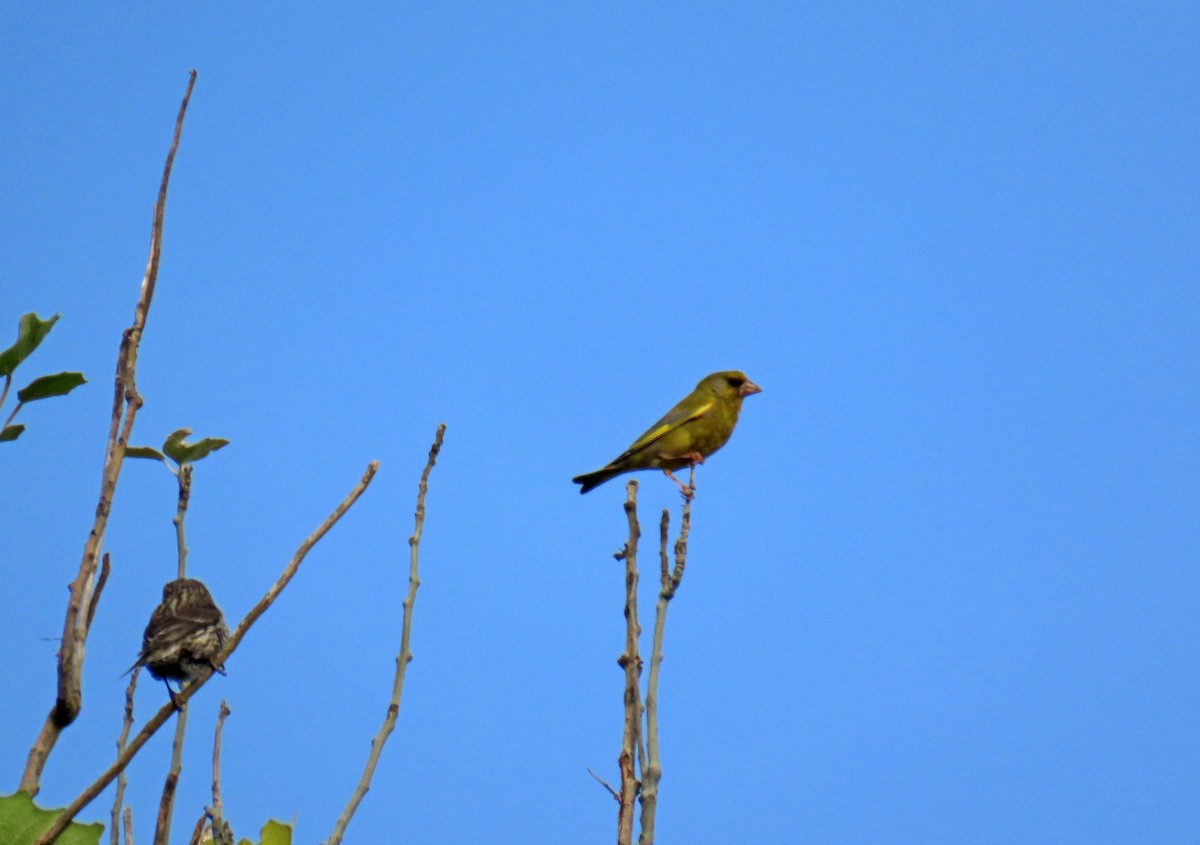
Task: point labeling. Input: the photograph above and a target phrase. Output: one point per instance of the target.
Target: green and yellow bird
(691, 431)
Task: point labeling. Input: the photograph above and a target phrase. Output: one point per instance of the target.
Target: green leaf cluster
(177, 449)
(31, 331)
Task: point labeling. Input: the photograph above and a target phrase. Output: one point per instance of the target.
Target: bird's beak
(749, 388)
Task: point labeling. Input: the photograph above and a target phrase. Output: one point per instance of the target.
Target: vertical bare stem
(128, 826)
(114, 828)
(218, 809)
(126, 402)
(668, 585)
(166, 805)
(631, 662)
(403, 658)
(198, 829)
(104, 570)
(184, 477)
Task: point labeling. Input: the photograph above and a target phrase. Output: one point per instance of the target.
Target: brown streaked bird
(691, 431)
(186, 631)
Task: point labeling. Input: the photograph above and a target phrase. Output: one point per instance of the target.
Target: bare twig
(15, 409)
(184, 477)
(605, 784)
(403, 658)
(158, 719)
(166, 804)
(128, 826)
(198, 830)
(104, 570)
(126, 402)
(218, 810)
(114, 827)
(631, 662)
(668, 584)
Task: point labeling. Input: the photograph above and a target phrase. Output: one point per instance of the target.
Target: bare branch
(218, 821)
(184, 477)
(104, 570)
(166, 805)
(631, 662)
(668, 584)
(605, 784)
(128, 826)
(158, 719)
(126, 402)
(403, 658)
(198, 830)
(114, 828)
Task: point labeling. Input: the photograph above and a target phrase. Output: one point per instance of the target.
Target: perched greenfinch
(691, 431)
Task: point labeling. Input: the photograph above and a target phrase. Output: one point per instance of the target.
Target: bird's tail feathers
(592, 480)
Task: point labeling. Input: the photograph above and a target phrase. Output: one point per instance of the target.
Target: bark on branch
(126, 402)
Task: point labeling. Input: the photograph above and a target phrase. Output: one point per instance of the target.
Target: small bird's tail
(592, 480)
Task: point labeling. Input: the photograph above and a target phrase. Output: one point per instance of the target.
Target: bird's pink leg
(683, 488)
(693, 457)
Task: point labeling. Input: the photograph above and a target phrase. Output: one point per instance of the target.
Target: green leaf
(59, 384)
(11, 432)
(174, 442)
(186, 453)
(143, 452)
(22, 821)
(276, 833)
(30, 332)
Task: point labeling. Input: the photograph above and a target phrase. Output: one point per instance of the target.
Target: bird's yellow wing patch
(668, 423)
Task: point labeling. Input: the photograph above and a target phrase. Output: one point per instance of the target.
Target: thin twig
(403, 657)
(668, 584)
(198, 830)
(126, 402)
(126, 724)
(129, 826)
(631, 662)
(13, 415)
(605, 784)
(166, 804)
(104, 570)
(156, 721)
(218, 810)
(184, 477)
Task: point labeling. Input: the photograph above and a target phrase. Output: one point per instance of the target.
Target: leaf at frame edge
(22, 821)
(11, 432)
(276, 833)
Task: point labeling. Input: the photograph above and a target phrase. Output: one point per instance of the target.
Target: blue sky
(943, 581)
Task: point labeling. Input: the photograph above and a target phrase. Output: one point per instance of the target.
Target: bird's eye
(736, 382)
